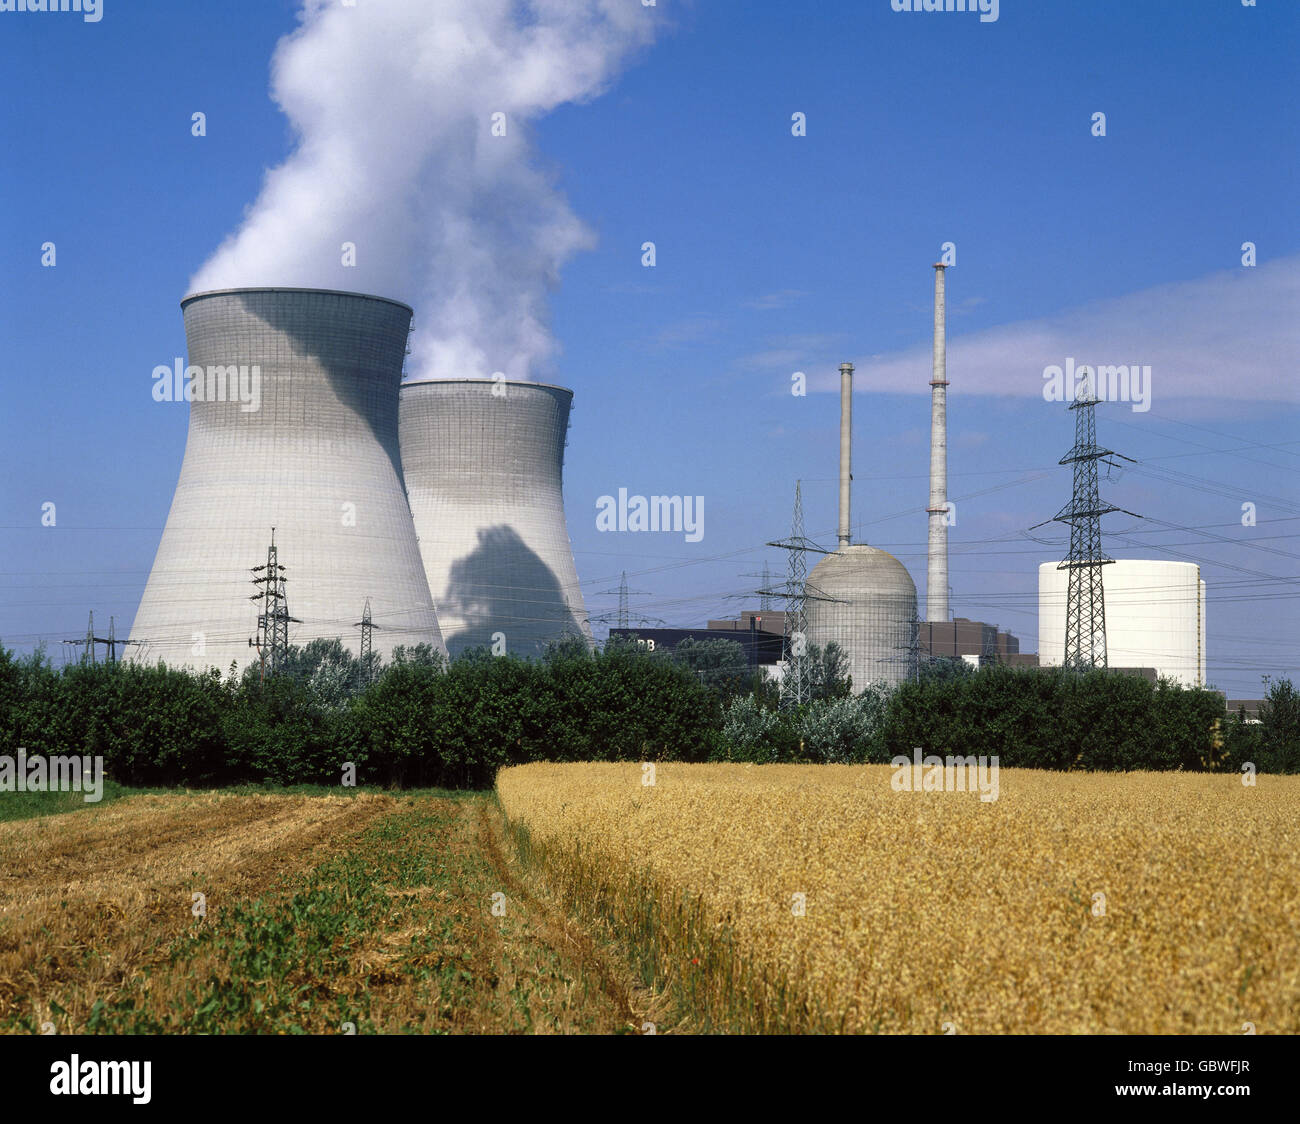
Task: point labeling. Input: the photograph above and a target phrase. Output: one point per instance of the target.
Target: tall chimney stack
(936, 585)
(846, 448)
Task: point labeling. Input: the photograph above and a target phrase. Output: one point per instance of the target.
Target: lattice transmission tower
(794, 681)
(764, 594)
(1085, 603)
(272, 641)
(623, 618)
(366, 663)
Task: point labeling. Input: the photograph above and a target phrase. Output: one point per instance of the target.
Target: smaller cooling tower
(484, 462)
(314, 454)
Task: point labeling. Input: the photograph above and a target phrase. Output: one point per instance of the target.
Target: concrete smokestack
(846, 449)
(936, 584)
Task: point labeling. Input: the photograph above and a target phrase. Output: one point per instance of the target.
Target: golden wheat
(933, 911)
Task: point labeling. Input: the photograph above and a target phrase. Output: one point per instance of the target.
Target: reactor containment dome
(484, 464)
(314, 453)
(860, 597)
(869, 611)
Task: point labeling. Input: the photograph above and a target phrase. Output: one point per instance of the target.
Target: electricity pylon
(367, 626)
(1085, 603)
(624, 613)
(272, 642)
(794, 684)
(764, 594)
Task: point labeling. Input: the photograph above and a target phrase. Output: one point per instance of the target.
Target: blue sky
(775, 254)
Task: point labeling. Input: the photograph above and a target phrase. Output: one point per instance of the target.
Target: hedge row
(419, 723)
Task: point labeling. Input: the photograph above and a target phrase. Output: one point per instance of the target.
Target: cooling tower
(313, 451)
(484, 463)
(862, 598)
(1155, 617)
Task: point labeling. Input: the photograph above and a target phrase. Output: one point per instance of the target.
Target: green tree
(1279, 716)
(757, 733)
(720, 665)
(827, 672)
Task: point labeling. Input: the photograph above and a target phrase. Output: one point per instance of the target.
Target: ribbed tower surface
(872, 615)
(484, 463)
(319, 460)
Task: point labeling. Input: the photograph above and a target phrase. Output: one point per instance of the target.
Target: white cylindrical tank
(1155, 617)
(870, 613)
(294, 427)
(484, 464)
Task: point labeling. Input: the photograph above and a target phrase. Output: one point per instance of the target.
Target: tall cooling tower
(484, 462)
(318, 459)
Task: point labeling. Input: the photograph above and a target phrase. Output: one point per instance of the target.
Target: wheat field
(1136, 903)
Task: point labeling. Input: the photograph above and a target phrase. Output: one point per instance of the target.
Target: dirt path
(600, 961)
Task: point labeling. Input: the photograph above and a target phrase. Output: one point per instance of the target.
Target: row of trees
(419, 721)
(1028, 718)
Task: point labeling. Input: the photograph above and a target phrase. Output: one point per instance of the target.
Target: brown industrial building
(961, 637)
(763, 620)
(976, 642)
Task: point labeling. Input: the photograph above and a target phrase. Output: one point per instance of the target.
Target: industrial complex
(432, 512)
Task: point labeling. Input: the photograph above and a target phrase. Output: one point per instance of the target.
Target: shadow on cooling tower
(349, 322)
(503, 586)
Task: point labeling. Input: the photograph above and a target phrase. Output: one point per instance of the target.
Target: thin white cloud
(779, 299)
(683, 332)
(1232, 335)
(790, 353)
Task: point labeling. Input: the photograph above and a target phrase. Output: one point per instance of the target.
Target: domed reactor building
(293, 426)
(484, 465)
(862, 598)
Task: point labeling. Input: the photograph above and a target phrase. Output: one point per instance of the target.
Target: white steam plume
(392, 103)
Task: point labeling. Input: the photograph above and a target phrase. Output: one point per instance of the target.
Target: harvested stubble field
(324, 914)
(933, 912)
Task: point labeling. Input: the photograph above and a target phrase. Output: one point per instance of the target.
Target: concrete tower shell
(872, 617)
(1155, 617)
(318, 459)
(484, 464)
(936, 581)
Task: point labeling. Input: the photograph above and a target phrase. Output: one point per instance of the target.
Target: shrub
(752, 732)
(842, 731)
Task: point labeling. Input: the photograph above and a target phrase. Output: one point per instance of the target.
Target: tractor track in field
(573, 941)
